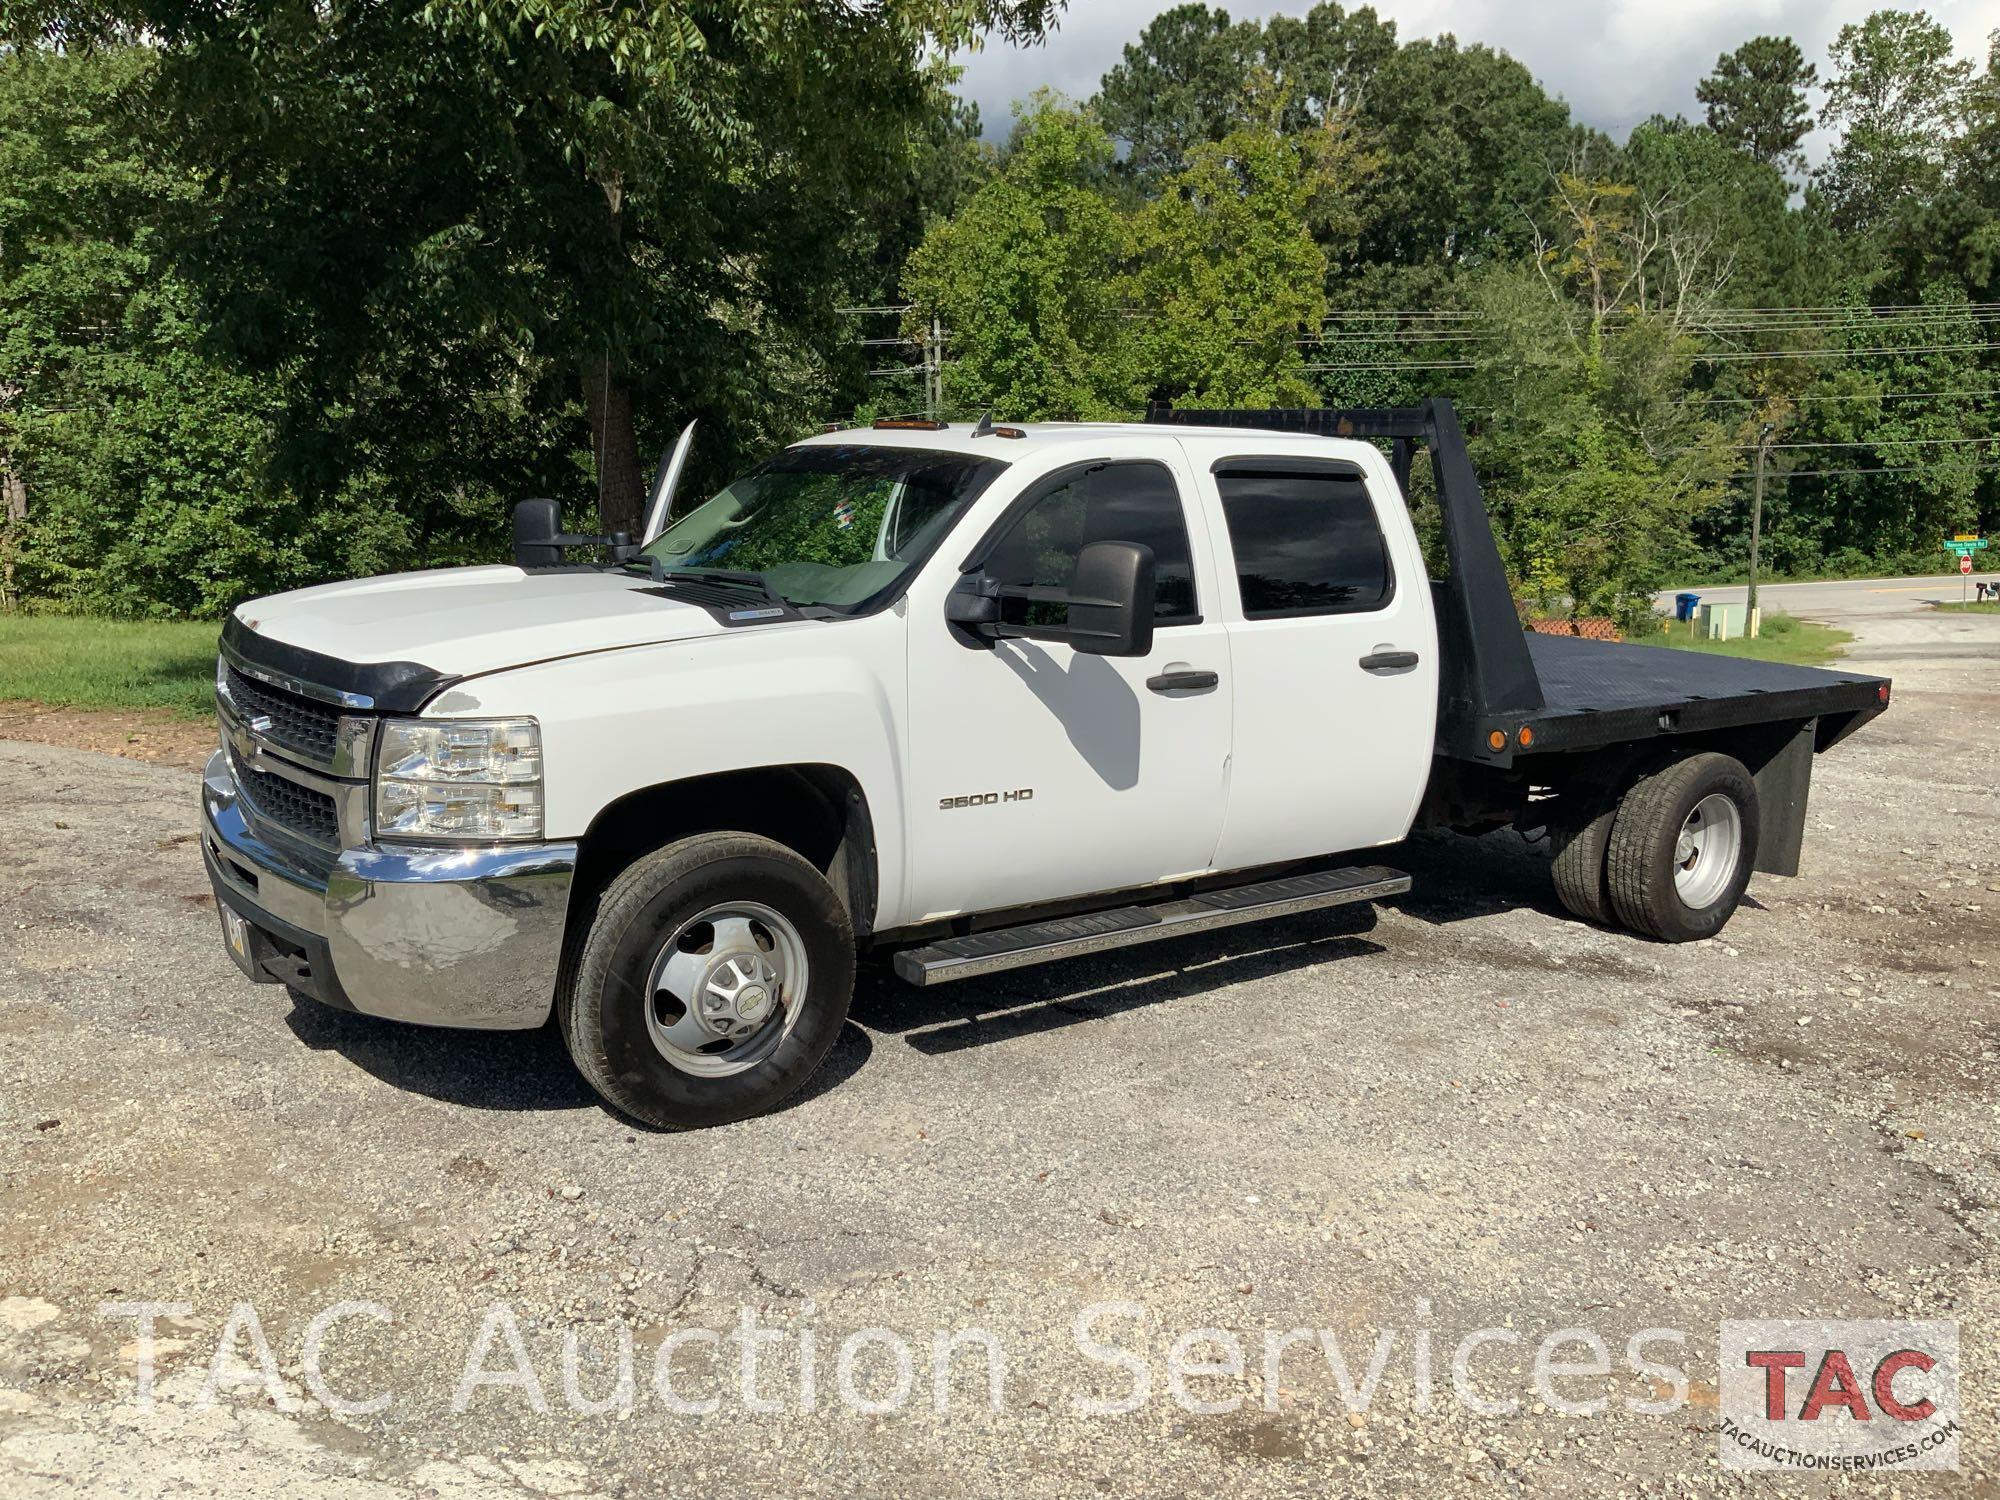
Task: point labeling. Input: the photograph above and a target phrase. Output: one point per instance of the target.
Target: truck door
(1038, 772)
(1333, 653)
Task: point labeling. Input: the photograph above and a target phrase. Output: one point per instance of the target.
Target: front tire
(1682, 848)
(712, 984)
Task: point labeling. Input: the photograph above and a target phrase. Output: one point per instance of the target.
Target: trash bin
(1685, 606)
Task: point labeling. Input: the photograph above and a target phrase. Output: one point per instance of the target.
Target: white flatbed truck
(977, 696)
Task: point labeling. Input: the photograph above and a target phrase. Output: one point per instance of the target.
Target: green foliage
(139, 455)
(1594, 468)
(470, 242)
(1027, 278)
(1037, 279)
(1229, 274)
(293, 292)
(1471, 137)
(1756, 100)
(1896, 95)
(1928, 455)
(1182, 85)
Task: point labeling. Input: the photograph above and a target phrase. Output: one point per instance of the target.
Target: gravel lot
(1468, 1113)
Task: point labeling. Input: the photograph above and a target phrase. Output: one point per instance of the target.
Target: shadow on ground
(1453, 879)
(501, 1070)
(1001, 1007)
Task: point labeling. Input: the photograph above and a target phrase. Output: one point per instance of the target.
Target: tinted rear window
(1304, 542)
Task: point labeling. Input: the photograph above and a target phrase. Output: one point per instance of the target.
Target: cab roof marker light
(908, 424)
(989, 431)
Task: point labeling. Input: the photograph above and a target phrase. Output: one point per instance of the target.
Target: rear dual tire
(1671, 858)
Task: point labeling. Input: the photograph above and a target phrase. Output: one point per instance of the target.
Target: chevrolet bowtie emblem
(260, 725)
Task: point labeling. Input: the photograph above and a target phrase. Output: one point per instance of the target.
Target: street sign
(1965, 546)
(1965, 565)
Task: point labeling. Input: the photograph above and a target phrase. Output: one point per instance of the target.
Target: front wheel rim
(725, 989)
(1707, 850)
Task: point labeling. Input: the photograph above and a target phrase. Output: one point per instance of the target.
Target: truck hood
(460, 622)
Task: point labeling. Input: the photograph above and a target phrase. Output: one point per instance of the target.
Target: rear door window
(1305, 539)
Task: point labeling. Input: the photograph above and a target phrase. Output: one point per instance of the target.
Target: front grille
(297, 723)
(303, 811)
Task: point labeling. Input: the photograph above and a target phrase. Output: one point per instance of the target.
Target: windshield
(840, 526)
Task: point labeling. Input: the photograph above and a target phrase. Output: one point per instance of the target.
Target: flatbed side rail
(1487, 673)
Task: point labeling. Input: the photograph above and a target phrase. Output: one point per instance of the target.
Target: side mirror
(1111, 600)
(1107, 608)
(537, 525)
(540, 541)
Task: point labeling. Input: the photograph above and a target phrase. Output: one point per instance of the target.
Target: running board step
(1093, 932)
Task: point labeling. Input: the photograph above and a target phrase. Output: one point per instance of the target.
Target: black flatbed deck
(1596, 693)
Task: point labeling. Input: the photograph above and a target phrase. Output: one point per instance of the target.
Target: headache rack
(1503, 693)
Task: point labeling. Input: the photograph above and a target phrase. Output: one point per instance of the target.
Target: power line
(1843, 353)
(1703, 400)
(1780, 474)
(1859, 443)
(1836, 310)
(1746, 354)
(1879, 443)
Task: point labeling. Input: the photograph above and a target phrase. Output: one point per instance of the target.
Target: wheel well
(817, 811)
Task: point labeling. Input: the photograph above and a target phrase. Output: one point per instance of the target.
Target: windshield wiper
(754, 583)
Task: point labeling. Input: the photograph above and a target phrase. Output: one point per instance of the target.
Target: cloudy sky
(1615, 61)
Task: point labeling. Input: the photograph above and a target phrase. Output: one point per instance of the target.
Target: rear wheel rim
(1707, 851)
(726, 989)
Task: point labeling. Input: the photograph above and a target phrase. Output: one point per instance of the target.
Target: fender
(821, 693)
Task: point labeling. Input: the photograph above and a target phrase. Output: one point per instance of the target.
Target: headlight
(459, 779)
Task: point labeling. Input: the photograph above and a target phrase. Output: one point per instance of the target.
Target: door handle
(1177, 682)
(1388, 661)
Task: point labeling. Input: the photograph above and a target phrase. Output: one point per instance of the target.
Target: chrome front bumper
(431, 934)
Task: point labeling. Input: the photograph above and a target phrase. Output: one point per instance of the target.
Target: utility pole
(1757, 520)
(934, 369)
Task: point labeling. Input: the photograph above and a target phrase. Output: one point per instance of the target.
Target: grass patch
(84, 663)
(1784, 638)
(1972, 607)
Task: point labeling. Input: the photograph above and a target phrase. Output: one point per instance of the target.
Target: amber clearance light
(1497, 740)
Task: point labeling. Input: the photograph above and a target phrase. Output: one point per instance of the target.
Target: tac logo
(1849, 1396)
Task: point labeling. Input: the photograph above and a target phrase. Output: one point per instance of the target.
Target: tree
(1779, 253)
(1324, 62)
(1756, 100)
(650, 206)
(1904, 472)
(131, 457)
(1229, 275)
(1471, 137)
(1027, 279)
(1183, 83)
(1898, 97)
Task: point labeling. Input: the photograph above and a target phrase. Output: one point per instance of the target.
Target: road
(1470, 1115)
(1837, 602)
